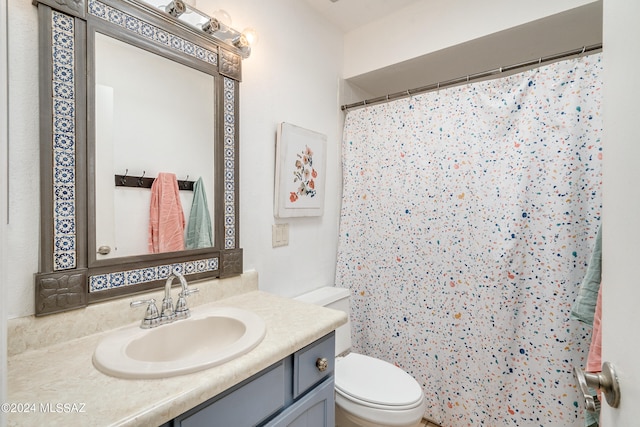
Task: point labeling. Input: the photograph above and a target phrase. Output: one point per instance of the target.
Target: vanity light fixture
(211, 26)
(176, 8)
(216, 25)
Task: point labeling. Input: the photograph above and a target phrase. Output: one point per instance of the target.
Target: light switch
(279, 235)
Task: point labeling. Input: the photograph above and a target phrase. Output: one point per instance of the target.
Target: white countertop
(59, 385)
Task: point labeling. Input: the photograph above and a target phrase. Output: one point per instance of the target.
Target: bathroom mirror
(128, 92)
(154, 115)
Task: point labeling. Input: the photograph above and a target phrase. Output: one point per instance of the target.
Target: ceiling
(566, 31)
(351, 14)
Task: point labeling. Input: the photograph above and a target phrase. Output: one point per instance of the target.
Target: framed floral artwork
(300, 172)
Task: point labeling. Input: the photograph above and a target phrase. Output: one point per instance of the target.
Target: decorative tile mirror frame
(70, 276)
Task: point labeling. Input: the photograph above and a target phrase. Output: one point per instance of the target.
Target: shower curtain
(468, 218)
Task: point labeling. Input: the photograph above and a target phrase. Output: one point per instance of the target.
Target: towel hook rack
(123, 179)
(147, 182)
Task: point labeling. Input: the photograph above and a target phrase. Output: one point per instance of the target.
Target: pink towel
(166, 218)
(594, 359)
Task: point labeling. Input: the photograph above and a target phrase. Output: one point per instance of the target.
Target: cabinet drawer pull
(322, 364)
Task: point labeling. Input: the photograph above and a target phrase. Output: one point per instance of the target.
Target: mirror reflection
(153, 118)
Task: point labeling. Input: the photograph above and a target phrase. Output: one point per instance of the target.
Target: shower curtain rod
(472, 77)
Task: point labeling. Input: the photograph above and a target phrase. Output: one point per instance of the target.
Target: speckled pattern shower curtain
(468, 219)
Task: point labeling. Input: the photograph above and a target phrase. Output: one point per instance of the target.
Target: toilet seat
(376, 384)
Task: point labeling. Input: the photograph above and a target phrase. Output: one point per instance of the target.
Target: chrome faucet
(182, 309)
(167, 314)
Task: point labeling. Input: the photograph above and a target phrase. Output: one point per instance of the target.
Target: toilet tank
(337, 299)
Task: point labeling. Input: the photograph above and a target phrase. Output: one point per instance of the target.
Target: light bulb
(222, 16)
(251, 35)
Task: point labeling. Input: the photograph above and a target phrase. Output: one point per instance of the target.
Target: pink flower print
(305, 174)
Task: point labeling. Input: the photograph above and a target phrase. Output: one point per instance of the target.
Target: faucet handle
(182, 309)
(188, 292)
(151, 316)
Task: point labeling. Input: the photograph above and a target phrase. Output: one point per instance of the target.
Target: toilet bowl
(369, 392)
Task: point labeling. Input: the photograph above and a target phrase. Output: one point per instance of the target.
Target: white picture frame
(301, 158)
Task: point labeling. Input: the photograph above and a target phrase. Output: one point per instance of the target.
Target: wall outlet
(279, 235)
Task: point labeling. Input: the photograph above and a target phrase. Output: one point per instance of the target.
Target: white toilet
(369, 392)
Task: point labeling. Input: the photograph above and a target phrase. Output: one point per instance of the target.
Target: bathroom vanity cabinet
(276, 384)
(296, 391)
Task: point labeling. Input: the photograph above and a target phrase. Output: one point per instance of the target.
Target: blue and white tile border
(63, 141)
(151, 32)
(119, 279)
(229, 164)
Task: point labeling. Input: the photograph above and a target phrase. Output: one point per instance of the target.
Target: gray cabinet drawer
(305, 372)
(316, 409)
(245, 406)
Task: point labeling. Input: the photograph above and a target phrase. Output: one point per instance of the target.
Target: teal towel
(592, 419)
(199, 233)
(585, 305)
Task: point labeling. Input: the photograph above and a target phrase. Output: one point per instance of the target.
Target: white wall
(24, 194)
(3, 205)
(292, 76)
(428, 26)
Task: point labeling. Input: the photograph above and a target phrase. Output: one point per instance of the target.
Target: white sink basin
(210, 337)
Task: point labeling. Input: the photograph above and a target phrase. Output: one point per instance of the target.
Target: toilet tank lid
(324, 296)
